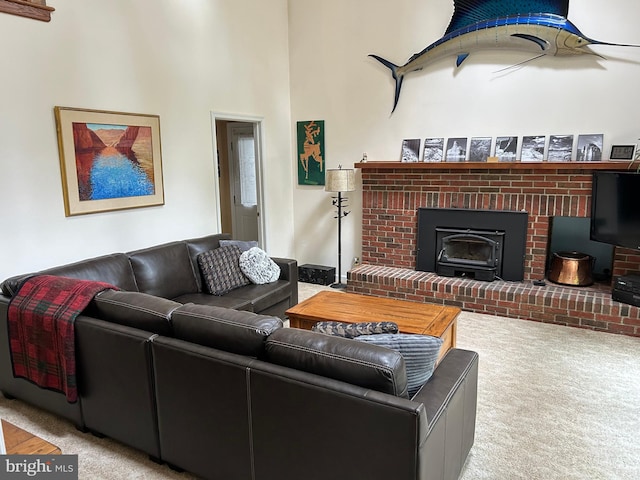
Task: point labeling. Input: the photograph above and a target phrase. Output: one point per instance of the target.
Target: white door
(243, 183)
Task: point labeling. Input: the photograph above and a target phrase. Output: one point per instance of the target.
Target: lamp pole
(338, 203)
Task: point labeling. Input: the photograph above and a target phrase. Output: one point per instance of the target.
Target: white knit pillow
(258, 267)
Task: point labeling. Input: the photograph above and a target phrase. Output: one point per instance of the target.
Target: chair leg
(82, 428)
(175, 468)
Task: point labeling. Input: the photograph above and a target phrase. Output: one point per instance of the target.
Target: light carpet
(554, 403)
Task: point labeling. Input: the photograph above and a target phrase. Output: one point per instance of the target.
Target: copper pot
(571, 268)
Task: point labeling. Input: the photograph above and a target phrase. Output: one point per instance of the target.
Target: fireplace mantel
(376, 165)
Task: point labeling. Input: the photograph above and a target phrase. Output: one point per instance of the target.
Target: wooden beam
(35, 9)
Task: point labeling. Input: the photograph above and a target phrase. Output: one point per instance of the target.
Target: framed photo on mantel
(506, 148)
(589, 148)
(480, 149)
(560, 148)
(410, 150)
(433, 150)
(532, 148)
(456, 149)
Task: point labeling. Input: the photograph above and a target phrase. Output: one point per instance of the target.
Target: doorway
(240, 192)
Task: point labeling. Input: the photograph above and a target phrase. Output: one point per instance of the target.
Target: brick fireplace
(393, 192)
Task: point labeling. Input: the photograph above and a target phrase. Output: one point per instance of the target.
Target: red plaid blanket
(41, 330)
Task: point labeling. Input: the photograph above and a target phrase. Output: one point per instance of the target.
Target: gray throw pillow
(352, 330)
(420, 353)
(256, 264)
(220, 268)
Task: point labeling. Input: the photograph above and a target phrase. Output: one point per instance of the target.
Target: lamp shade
(340, 180)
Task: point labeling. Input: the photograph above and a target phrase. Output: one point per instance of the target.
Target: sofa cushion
(227, 301)
(233, 331)
(258, 267)
(137, 310)
(264, 296)
(244, 245)
(352, 330)
(420, 354)
(164, 271)
(221, 270)
(342, 359)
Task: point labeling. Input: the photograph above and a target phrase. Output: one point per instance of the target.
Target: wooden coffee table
(21, 442)
(411, 317)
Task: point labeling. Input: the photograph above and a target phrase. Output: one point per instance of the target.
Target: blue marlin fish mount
(489, 24)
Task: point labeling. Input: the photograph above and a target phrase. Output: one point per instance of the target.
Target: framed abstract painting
(108, 160)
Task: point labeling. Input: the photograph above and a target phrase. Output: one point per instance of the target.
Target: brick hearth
(392, 193)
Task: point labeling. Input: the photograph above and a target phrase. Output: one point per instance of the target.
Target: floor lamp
(340, 180)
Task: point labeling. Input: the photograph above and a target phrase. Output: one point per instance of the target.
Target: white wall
(332, 79)
(179, 60)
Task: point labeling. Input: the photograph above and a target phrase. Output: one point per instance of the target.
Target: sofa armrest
(25, 390)
(289, 272)
(11, 285)
(450, 401)
(136, 310)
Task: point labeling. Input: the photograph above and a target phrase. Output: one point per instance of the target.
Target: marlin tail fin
(396, 77)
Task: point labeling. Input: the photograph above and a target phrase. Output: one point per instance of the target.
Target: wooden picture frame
(622, 152)
(36, 9)
(108, 160)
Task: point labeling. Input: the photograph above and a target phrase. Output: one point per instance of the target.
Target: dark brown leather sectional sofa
(171, 271)
(230, 394)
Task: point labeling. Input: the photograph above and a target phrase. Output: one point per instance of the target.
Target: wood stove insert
(476, 253)
(483, 244)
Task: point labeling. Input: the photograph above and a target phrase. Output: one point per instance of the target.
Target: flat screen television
(615, 208)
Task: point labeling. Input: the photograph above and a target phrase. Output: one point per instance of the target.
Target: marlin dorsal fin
(468, 12)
